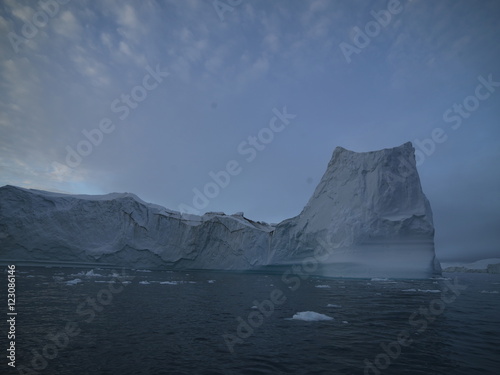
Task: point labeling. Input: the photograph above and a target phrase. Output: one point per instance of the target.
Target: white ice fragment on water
(254, 307)
(323, 286)
(311, 316)
(91, 273)
(429, 290)
(422, 290)
(169, 282)
(144, 282)
(73, 282)
(333, 305)
(211, 281)
(345, 322)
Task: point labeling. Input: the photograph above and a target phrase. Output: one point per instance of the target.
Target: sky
(165, 99)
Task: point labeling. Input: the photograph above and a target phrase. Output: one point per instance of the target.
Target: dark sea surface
(164, 322)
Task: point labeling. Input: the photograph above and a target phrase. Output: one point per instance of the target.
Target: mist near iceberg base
(394, 261)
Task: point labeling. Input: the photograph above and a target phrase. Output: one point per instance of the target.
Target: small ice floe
(322, 286)
(254, 307)
(174, 282)
(90, 273)
(422, 290)
(73, 282)
(211, 281)
(311, 316)
(143, 270)
(145, 282)
(489, 291)
(333, 305)
(345, 322)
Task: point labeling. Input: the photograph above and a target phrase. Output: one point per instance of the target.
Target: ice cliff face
(369, 213)
(367, 218)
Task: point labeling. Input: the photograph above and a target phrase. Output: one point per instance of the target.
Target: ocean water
(103, 321)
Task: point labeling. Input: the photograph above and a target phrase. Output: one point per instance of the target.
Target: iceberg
(311, 316)
(368, 217)
(491, 265)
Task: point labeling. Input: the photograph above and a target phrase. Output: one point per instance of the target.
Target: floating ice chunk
(323, 286)
(254, 307)
(143, 270)
(429, 290)
(333, 305)
(73, 282)
(422, 290)
(345, 322)
(211, 281)
(144, 282)
(169, 282)
(311, 316)
(489, 291)
(91, 273)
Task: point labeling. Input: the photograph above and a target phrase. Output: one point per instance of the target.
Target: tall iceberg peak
(368, 217)
(369, 212)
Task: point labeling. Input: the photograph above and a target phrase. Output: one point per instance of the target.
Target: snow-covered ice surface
(311, 316)
(368, 217)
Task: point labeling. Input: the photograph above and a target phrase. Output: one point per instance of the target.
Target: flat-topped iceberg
(367, 218)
